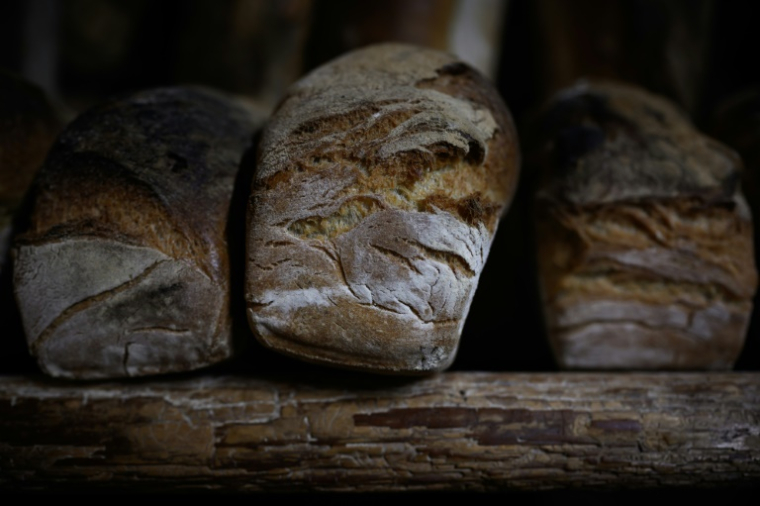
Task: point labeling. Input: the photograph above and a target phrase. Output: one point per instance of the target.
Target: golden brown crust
(380, 181)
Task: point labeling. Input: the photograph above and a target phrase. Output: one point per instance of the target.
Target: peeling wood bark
(456, 431)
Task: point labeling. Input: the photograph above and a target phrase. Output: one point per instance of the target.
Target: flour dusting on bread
(380, 182)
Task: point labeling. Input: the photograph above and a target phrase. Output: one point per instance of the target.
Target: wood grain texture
(457, 431)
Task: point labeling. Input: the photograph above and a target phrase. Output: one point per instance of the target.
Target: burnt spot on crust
(476, 152)
(453, 69)
(461, 81)
(472, 209)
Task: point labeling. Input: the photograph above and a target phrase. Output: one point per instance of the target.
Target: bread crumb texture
(644, 239)
(380, 182)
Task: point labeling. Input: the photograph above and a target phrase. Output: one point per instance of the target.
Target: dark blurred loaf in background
(82, 51)
(644, 239)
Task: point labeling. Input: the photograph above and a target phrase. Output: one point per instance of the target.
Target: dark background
(699, 53)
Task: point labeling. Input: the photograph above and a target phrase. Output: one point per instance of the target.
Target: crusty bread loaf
(124, 270)
(28, 126)
(644, 239)
(380, 181)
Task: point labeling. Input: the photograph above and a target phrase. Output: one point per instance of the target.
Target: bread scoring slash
(380, 181)
(644, 238)
(124, 270)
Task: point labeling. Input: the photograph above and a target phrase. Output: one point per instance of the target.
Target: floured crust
(380, 182)
(124, 270)
(632, 280)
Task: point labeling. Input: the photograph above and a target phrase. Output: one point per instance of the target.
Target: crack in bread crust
(387, 172)
(145, 176)
(89, 301)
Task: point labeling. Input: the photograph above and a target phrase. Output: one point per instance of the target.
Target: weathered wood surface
(455, 431)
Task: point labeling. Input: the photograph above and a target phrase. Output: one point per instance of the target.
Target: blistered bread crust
(124, 270)
(644, 240)
(381, 178)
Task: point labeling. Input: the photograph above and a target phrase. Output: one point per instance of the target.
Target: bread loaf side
(644, 239)
(28, 126)
(380, 181)
(124, 270)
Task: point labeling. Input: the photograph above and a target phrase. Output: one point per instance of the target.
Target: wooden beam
(346, 432)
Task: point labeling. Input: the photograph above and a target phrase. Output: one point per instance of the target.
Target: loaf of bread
(28, 126)
(124, 270)
(380, 181)
(644, 239)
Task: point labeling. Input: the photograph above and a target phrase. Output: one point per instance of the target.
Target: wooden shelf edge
(455, 431)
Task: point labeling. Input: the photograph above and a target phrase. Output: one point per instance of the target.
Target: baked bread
(644, 239)
(381, 179)
(124, 270)
(28, 126)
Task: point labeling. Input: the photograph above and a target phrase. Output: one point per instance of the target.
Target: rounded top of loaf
(380, 180)
(397, 108)
(608, 142)
(154, 168)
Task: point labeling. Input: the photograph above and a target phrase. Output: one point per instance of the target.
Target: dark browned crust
(152, 153)
(501, 166)
(644, 240)
(609, 142)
